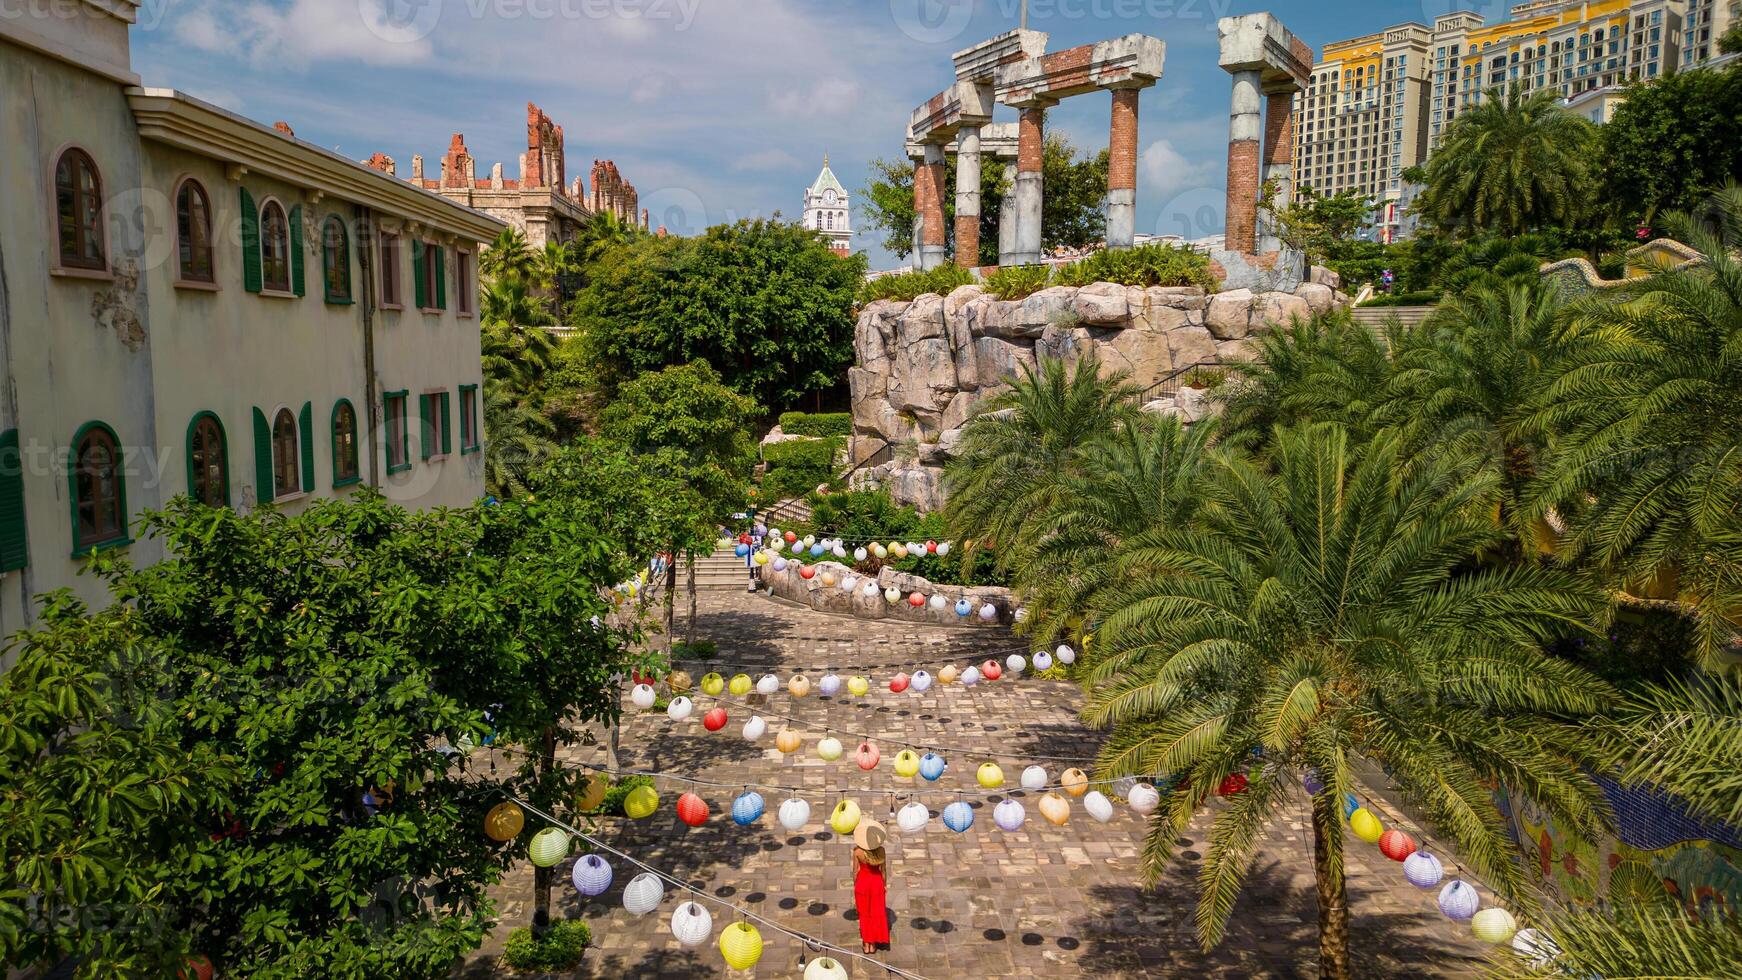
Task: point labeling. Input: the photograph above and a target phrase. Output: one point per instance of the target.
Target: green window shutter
(250, 243)
(447, 427)
(440, 259)
(425, 429)
(305, 425)
(262, 458)
(296, 284)
(14, 541)
(417, 274)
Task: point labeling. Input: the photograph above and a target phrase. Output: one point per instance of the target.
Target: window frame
(122, 537)
(58, 263)
(464, 305)
(223, 457)
(470, 441)
(346, 297)
(341, 480)
(189, 183)
(267, 287)
(295, 454)
(431, 258)
(388, 270)
(434, 421)
(403, 440)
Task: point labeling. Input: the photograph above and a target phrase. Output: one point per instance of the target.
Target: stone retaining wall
(789, 584)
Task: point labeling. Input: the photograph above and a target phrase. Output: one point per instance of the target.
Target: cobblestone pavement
(1042, 901)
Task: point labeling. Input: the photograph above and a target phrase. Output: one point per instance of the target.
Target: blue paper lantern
(964, 607)
(1350, 805)
(931, 767)
(959, 816)
(1423, 869)
(743, 550)
(1459, 901)
(817, 550)
(747, 808)
(592, 875)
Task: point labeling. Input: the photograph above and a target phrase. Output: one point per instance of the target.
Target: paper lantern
(197, 966)
(958, 816)
(913, 818)
(900, 550)
(931, 547)
(824, 968)
(788, 741)
(988, 612)
(845, 817)
(794, 814)
(1423, 869)
(692, 809)
(859, 554)
(1019, 614)
(867, 756)
(849, 583)
(1075, 781)
(592, 794)
(943, 548)
(1233, 785)
(1034, 778)
(920, 681)
(1055, 808)
(828, 579)
(504, 822)
(948, 674)
(1314, 785)
(931, 767)
(810, 540)
(713, 684)
(964, 607)
(829, 748)
(870, 590)
(916, 600)
(643, 894)
(679, 682)
(1495, 925)
(1066, 655)
(747, 808)
(740, 685)
(829, 685)
(807, 572)
(755, 728)
(691, 925)
(549, 846)
(715, 719)
(880, 551)
(907, 763)
(858, 686)
(591, 875)
(1098, 805)
(767, 684)
(937, 602)
(991, 671)
(679, 708)
(970, 676)
(989, 775)
(800, 685)
(1042, 660)
(742, 551)
(780, 564)
(1396, 845)
(839, 552)
(1015, 663)
(898, 683)
(1535, 947)
(1459, 901)
(1143, 799)
(892, 595)
(789, 537)
(762, 557)
(1366, 826)
(741, 945)
(1009, 815)
(817, 550)
(641, 802)
(642, 696)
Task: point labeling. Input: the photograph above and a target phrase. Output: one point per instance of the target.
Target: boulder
(1143, 355)
(1102, 304)
(1319, 298)
(1191, 345)
(998, 362)
(1049, 307)
(1279, 310)
(1325, 277)
(1230, 314)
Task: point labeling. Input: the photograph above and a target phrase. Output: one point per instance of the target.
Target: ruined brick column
(928, 192)
(1244, 132)
(1278, 158)
(1027, 189)
(968, 197)
(1122, 170)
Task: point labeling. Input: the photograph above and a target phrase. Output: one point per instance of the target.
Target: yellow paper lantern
(788, 741)
(679, 681)
(858, 686)
(990, 776)
(900, 550)
(1055, 808)
(948, 674)
(740, 685)
(504, 822)
(1075, 781)
(800, 685)
(713, 684)
(592, 794)
(1366, 826)
(1494, 925)
(741, 945)
(762, 557)
(641, 802)
(907, 763)
(829, 749)
(845, 817)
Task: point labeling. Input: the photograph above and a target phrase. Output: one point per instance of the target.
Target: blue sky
(714, 109)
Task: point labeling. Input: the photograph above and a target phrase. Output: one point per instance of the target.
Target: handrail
(878, 457)
(1173, 382)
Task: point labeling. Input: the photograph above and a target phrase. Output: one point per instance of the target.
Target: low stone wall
(789, 584)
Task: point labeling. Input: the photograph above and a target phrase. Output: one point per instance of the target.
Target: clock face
(828, 197)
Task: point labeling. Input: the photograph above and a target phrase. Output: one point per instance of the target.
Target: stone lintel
(1132, 61)
(938, 119)
(1259, 42)
(980, 63)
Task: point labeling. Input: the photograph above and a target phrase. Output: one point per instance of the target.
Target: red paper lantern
(714, 720)
(1233, 785)
(931, 547)
(692, 809)
(991, 671)
(1396, 845)
(916, 600)
(807, 571)
(790, 537)
(197, 967)
(898, 683)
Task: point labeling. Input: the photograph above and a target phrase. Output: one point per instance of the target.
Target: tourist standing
(871, 884)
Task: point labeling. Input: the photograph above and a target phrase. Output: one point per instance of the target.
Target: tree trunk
(670, 598)
(1332, 894)
(541, 877)
(690, 563)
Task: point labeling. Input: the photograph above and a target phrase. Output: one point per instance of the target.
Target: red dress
(868, 890)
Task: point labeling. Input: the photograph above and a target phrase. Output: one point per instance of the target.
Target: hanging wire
(1027, 650)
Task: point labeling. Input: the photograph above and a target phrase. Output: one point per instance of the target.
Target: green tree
(1673, 142)
(764, 302)
(1326, 369)
(508, 257)
(1510, 164)
(1318, 611)
(1318, 225)
(603, 233)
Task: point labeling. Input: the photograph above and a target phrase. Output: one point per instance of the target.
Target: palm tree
(518, 440)
(1322, 612)
(1511, 163)
(1630, 940)
(508, 257)
(1325, 369)
(603, 232)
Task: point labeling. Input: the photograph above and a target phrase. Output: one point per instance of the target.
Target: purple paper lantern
(592, 875)
(1423, 869)
(1009, 815)
(1459, 901)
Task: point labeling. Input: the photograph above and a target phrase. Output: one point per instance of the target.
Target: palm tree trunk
(690, 563)
(1332, 893)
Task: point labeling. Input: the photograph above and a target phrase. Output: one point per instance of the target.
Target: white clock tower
(826, 210)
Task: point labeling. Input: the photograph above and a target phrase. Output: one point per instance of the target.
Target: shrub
(560, 948)
(820, 425)
(1018, 281)
(808, 453)
(1147, 265)
(1426, 297)
(613, 803)
(906, 286)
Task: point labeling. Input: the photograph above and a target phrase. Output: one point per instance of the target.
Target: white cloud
(828, 96)
(772, 159)
(373, 32)
(1165, 171)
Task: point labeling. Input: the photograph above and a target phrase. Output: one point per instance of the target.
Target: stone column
(1028, 186)
(1122, 170)
(968, 197)
(933, 241)
(1278, 159)
(1007, 225)
(1244, 132)
(916, 157)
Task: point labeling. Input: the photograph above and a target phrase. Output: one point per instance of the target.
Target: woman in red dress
(870, 886)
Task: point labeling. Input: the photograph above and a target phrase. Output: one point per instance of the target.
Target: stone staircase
(786, 512)
(718, 571)
(1376, 316)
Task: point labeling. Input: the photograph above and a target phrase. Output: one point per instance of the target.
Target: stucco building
(195, 303)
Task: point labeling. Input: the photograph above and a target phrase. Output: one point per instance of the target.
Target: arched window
(284, 455)
(336, 260)
(208, 465)
(193, 227)
(274, 247)
(345, 456)
(78, 200)
(98, 488)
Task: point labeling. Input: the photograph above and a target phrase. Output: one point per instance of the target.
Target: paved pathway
(1043, 901)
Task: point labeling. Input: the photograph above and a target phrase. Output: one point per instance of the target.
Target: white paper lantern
(825, 968)
(1042, 660)
(1535, 947)
(892, 595)
(1423, 869)
(1020, 615)
(913, 818)
(642, 696)
(1494, 926)
(919, 681)
(643, 894)
(970, 677)
(794, 814)
(988, 612)
(1143, 798)
(829, 748)
(679, 709)
(849, 583)
(937, 602)
(829, 685)
(1034, 778)
(1459, 901)
(755, 728)
(1014, 663)
(859, 554)
(768, 684)
(591, 875)
(943, 548)
(1098, 805)
(1066, 655)
(838, 551)
(1009, 815)
(869, 590)
(809, 540)
(691, 924)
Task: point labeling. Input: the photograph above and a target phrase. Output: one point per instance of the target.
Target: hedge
(821, 425)
(802, 453)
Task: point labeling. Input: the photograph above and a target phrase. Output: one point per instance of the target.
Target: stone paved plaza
(1042, 901)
